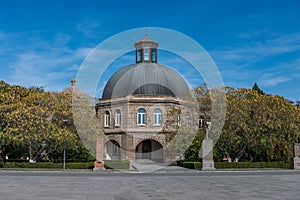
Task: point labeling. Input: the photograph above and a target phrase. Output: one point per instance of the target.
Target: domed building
(134, 107)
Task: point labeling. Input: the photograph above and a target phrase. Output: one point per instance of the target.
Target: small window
(106, 119)
(118, 118)
(188, 123)
(141, 116)
(157, 116)
(178, 120)
(153, 55)
(139, 55)
(146, 54)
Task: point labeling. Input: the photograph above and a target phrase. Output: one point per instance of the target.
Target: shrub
(44, 165)
(234, 165)
(88, 165)
(226, 165)
(190, 165)
(116, 164)
(48, 165)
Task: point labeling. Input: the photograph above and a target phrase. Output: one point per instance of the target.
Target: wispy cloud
(255, 51)
(250, 60)
(272, 80)
(37, 62)
(88, 28)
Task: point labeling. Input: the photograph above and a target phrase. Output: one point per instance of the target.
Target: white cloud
(273, 80)
(270, 61)
(31, 61)
(251, 53)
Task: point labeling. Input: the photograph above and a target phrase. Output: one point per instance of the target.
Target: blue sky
(43, 43)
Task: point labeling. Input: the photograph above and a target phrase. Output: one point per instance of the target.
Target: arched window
(188, 122)
(139, 56)
(106, 119)
(141, 116)
(157, 116)
(153, 55)
(146, 53)
(118, 118)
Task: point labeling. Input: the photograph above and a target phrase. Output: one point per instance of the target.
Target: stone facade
(129, 134)
(135, 104)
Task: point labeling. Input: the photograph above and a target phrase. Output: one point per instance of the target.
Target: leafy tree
(258, 127)
(30, 117)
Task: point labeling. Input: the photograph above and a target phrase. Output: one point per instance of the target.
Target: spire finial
(146, 32)
(73, 82)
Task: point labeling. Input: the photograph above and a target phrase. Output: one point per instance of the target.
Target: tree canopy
(31, 117)
(258, 127)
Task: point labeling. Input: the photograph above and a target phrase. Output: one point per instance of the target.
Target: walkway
(168, 183)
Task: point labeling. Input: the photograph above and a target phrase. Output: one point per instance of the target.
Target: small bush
(226, 165)
(44, 165)
(234, 165)
(116, 164)
(190, 165)
(88, 165)
(48, 165)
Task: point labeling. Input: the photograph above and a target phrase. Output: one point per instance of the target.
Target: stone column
(99, 163)
(297, 156)
(128, 148)
(207, 155)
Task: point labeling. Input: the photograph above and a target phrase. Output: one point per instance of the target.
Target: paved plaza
(167, 183)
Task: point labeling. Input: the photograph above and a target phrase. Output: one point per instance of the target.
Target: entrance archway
(149, 149)
(113, 150)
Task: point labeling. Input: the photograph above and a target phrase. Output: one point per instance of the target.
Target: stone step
(144, 161)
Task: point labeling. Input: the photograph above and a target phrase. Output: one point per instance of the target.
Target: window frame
(139, 56)
(153, 55)
(157, 117)
(118, 118)
(178, 120)
(106, 119)
(141, 117)
(147, 54)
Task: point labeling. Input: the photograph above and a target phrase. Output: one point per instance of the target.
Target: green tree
(30, 117)
(258, 127)
(256, 88)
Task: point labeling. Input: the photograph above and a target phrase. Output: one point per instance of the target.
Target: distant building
(134, 106)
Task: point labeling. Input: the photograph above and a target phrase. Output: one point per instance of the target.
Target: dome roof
(145, 79)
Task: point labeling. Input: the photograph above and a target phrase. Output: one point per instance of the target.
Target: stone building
(134, 107)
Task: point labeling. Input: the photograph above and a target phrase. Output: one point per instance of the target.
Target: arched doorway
(149, 149)
(113, 150)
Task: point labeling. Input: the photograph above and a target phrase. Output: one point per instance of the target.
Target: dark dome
(145, 79)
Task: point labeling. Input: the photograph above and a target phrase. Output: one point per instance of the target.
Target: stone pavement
(167, 183)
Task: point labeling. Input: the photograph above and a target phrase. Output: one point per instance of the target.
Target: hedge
(48, 165)
(232, 165)
(116, 164)
(109, 164)
(226, 165)
(190, 164)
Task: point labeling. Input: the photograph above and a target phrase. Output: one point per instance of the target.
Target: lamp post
(65, 143)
